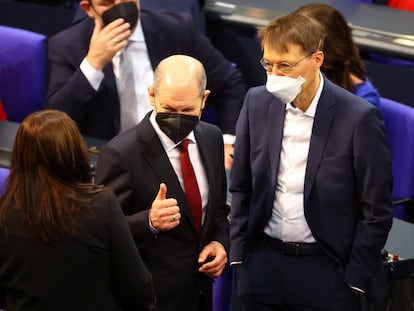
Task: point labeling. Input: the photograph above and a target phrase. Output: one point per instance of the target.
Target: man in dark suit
(142, 166)
(84, 69)
(311, 183)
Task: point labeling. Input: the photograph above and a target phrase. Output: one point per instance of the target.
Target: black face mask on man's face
(176, 125)
(126, 10)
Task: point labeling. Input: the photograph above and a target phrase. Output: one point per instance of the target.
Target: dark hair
(342, 56)
(292, 29)
(50, 177)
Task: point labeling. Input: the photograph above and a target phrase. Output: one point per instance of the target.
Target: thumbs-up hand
(165, 213)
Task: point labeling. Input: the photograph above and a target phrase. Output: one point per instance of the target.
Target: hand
(212, 259)
(228, 156)
(164, 214)
(106, 42)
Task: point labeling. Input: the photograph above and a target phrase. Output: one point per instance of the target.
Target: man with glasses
(311, 184)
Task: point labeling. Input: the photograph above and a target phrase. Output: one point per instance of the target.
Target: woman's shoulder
(103, 198)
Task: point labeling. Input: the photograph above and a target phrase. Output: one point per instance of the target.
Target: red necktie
(190, 184)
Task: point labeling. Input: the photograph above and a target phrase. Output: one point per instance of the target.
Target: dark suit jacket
(97, 112)
(134, 164)
(100, 269)
(348, 181)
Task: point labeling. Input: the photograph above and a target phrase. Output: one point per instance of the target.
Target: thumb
(202, 257)
(162, 193)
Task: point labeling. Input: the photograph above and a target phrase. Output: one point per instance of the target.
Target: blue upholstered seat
(399, 124)
(4, 173)
(22, 72)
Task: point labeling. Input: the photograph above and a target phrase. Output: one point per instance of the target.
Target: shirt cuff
(229, 139)
(153, 230)
(94, 76)
(357, 289)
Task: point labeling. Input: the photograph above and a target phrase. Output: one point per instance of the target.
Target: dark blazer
(348, 181)
(97, 112)
(133, 165)
(100, 269)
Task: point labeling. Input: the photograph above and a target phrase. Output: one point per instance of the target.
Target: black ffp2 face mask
(126, 10)
(176, 125)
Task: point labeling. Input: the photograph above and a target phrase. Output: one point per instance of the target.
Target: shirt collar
(167, 143)
(310, 112)
(138, 34)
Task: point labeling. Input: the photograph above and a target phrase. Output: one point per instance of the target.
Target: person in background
(342, 63)
(2, 112)
(407, 5)
(64, 242)
(179, 223)
(87, 72)
(311, 183)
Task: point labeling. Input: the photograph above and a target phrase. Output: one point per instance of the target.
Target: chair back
(4, 173)
(399, 124)
(22, 72)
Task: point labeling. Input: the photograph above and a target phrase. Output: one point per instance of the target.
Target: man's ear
(151, 95)
(206, 93)
(86, 6)
(319, 56)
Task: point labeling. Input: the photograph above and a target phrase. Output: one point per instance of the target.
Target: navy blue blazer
(348, 181)
(133, 165)
(98, 113)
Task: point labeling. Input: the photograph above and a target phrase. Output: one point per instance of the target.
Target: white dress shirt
(143, 72)
(288, 222)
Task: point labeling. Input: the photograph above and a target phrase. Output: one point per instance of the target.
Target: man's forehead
(291, 49)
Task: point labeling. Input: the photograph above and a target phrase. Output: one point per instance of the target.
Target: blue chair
(22, 72)
(4, 173)
(399, 124)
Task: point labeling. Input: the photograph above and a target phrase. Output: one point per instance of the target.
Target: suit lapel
(323, 120)
(276, 117)
(206, 149)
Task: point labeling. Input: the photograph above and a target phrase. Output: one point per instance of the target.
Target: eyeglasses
(284, 67)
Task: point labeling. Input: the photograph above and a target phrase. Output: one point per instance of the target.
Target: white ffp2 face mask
(284, 88)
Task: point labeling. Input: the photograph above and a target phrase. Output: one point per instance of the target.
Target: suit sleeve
(240, 188)
(372, 167)
(112, 171)
(68, 90)
(221, 219)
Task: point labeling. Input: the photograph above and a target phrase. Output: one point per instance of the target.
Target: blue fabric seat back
(22, 72)
(4, 173)
(399, 124)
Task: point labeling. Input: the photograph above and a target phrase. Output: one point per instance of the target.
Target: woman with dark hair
(64, 242)
(342, 64)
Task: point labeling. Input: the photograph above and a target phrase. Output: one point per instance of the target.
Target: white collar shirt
(288, 222)
(142, 68)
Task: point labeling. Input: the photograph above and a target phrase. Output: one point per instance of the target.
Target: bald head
(180, 71)
(179, 86)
